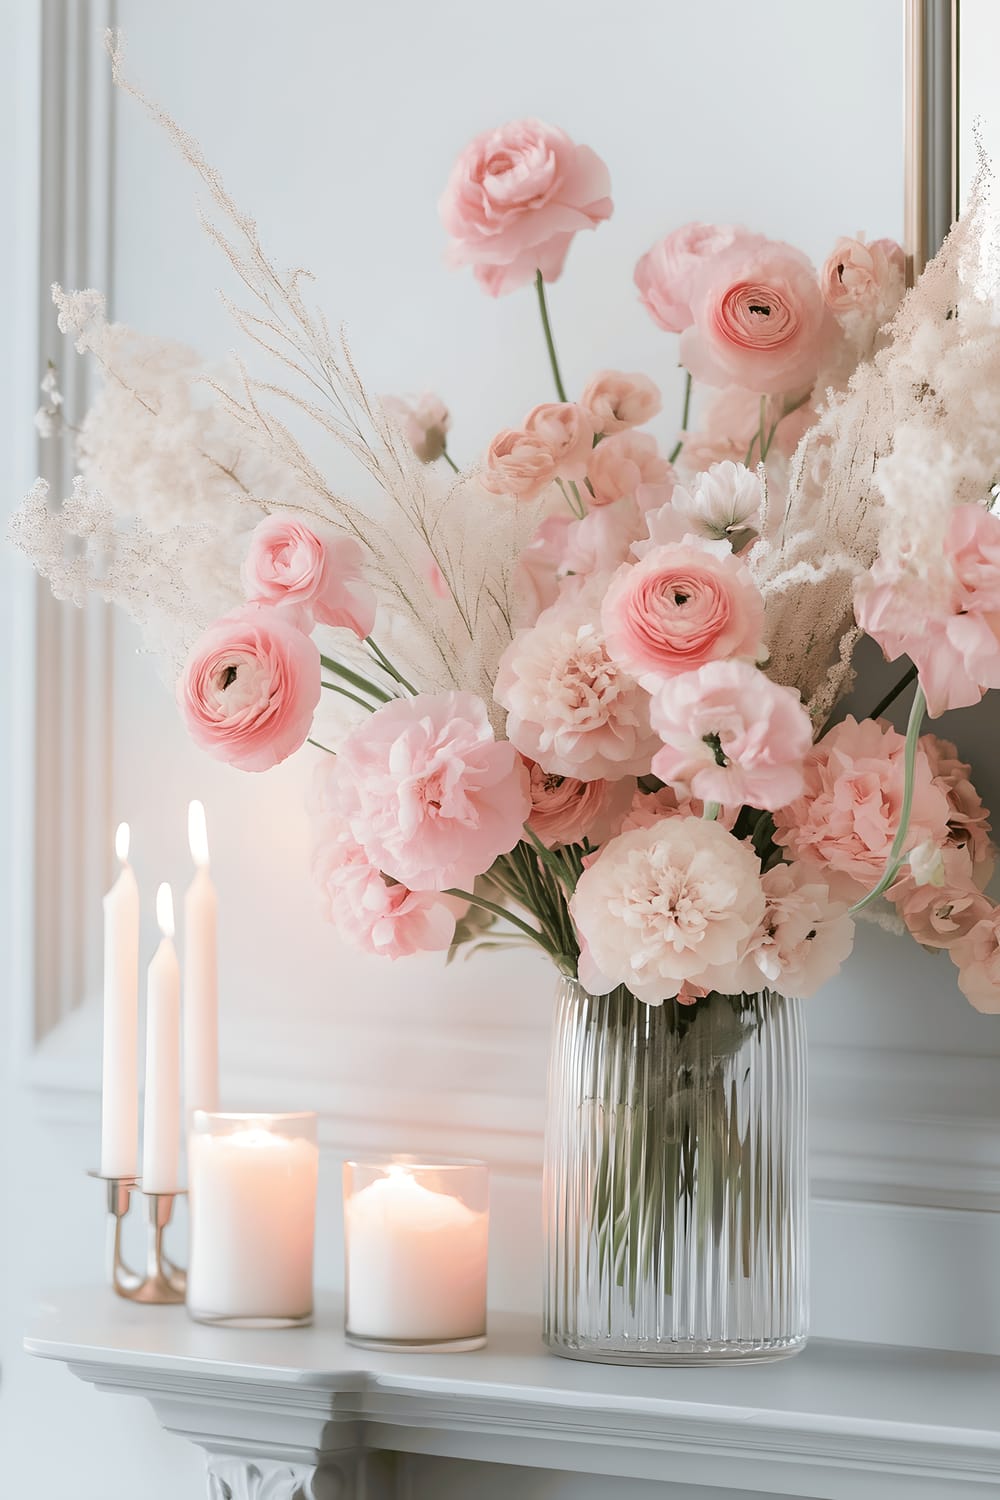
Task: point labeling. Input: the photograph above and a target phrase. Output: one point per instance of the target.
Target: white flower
(722, 502)
(665, 904)
(927, 864)
(804, 936)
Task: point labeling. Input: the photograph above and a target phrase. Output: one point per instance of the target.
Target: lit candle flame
(122, 839)
(165, 909)
(198, 834)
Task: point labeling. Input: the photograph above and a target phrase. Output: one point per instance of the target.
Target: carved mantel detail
(262, 1479)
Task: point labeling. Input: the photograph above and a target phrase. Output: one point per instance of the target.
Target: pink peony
(731, 735)
(664, 905)
(249, 688)
(617, 401)
(424, 421)
(859, 278)
(570, 707)
(306, 563)
(804, 936)
(376, 914)
(954, 639)
(977, 957)
(429, 794)
(968, 819)
(848, 815)
(759, 320)
(681, 606)
(620, 464)
(567, 811)
(939, 915)
(665, 274)
(518, 463)
(720, 504)
(516, 197)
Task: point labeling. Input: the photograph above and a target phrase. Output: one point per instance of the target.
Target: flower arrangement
(584, 687)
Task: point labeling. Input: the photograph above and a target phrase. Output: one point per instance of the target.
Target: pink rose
(249, 688)
(857, 277)
(376, 914)
(759, 320)
(848, 815)
(731, 735)
(429, 793)
(567, 430)
(569, 706)
(518, 463)
(306, 563)
(952, 633)
(680, 607)
(620, 464)
(566, 811)
(516, 197)
(617, 401)
(664, 275)
(424, 421)
(977, 957)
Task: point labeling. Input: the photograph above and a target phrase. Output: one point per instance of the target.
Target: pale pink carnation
(664, 905)
(305, 563)
(858, 277)
(759, 320)
(720, 503)
(681, 606)
(518, 463)
(570, 707)
(250, 687)
(968, 819)
(567, 811)
(665, 273)
(731, 735)
(620, 464)
(977, 957)
(424, 421)
(616, 400)
(376, 914)
(429, 794)
(804, 936)
(848, 815)
(516, 197)
(938, 915)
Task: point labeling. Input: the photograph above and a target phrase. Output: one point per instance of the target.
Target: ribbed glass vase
(675, 1184)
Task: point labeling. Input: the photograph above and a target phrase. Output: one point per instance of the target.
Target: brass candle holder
(161, 1282)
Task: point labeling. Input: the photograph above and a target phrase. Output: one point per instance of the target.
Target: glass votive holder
(252, 1202)
(415, 1245)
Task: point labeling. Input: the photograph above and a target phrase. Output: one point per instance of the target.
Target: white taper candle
(201, 983)
(161, 1118)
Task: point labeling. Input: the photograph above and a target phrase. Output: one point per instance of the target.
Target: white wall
(336, 125)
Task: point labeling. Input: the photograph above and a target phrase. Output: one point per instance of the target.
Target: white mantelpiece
(300, 1415)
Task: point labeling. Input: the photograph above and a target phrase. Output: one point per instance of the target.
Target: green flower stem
(549, 342)
(684, 418)
(553, 861)
(501, 911)
(449, 460)
(711, 812)
(578, 497)
(579, 513)
(325, 748)
(387, 664)
(893, 693)
(895, 859)
(356, 680)
(334, 687)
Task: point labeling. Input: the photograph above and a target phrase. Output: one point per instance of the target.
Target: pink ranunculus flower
(940, 915)
(516, 197)
(566, 811)
(663, 905)
(681, 606)
(518, 463)
(845, 821)
(759, 320)
(804, 936)
(952, 635)
(424, 421)
(571, 707)
(968, 819)
(665, 273)
(567, 430)
(376, 914)
(859, 277)
(731, 735)
(617, 401)
(429, 793)
(305, 563)
(250, 687)
(620, 464)
(721, 503)
(977, 957)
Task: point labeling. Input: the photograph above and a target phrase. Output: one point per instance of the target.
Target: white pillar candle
(252, 1196)
(161, 1117)
(201, 985)
(120, 1080)
(416, 1254)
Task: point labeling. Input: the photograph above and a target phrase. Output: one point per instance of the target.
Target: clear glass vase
(675, 1190)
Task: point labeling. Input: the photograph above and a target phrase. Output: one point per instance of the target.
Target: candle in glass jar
(161, 1115)
(120, 1069)
(416, 1253)
(252, 1197)
(201, 987)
